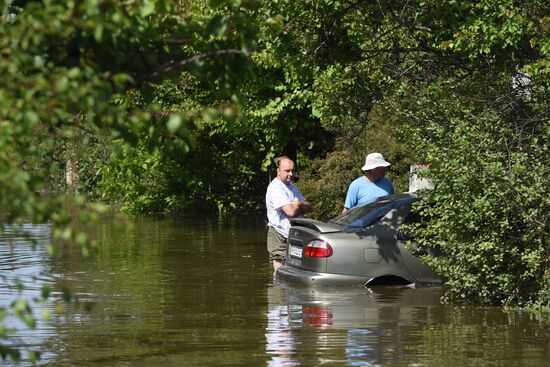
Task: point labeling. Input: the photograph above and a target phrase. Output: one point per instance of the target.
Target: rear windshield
(366, 215)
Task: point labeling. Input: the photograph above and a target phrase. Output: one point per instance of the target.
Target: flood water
(182, 292)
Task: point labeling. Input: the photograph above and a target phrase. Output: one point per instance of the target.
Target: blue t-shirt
(361, 191)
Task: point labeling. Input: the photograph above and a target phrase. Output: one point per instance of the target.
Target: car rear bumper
(294, 275)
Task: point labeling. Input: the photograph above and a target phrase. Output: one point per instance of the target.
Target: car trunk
(301, 233)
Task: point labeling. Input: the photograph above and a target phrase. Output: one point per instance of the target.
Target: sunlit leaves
(70, 70)
(487, 216)
(147, 8)
(445, 69)
(85, 54)
(174, 123)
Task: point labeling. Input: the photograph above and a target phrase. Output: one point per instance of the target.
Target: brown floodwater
(195, 292)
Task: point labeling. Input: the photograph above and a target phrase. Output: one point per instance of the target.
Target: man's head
(285, 169)
(375, 166)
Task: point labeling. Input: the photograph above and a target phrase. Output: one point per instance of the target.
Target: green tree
(70, 68)
(483, 127)
(466, 84)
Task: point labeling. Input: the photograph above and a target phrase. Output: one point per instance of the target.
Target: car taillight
(318, 248)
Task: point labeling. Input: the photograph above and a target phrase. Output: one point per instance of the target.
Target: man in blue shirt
(372, 185)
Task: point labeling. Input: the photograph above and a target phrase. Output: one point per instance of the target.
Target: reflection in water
(279, 339)
(398, 327)
(23, 273)
(185, 292)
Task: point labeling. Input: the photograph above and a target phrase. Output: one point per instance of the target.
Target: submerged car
(365, 246)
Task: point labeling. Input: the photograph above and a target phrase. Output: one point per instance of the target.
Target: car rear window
(363, 216)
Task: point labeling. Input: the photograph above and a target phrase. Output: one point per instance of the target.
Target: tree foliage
(467, 85)
(483, 128)
(488, 213)
(71, 70)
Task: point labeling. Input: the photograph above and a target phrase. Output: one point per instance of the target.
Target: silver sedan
(365, 246)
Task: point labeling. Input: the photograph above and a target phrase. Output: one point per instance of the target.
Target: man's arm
(296, 207)
(305, 206)
(351, 198)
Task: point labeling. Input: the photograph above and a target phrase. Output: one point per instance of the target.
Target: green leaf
(218, 25)
(46, 290)
(147, 8)
(67, 296)
(46, 315)
(174, 123)
(98, 33)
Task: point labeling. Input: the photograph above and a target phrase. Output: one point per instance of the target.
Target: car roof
(368, 214)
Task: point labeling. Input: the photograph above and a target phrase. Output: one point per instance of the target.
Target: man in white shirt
(283, 201)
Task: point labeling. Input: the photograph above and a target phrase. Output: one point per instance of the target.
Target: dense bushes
(489, 210)
(467, 87)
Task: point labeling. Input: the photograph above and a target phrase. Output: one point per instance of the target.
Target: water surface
(195, 292)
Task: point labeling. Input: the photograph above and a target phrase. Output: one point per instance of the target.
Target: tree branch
(170, 66)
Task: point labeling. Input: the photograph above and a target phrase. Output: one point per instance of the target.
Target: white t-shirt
(278, 195)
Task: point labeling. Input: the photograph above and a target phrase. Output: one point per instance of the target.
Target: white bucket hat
(374, 160)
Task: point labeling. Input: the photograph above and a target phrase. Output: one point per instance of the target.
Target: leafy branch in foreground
(62, 59)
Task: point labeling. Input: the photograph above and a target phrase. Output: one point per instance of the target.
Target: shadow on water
(193, 292)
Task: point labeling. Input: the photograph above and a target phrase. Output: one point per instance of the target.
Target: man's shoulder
(358, 181)
(275, 185)
(386, 180)
(272, 182)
